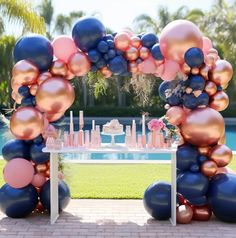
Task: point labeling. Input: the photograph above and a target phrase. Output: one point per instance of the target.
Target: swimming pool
(230, 141)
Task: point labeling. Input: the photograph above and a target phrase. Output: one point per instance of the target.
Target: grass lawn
(112, 181)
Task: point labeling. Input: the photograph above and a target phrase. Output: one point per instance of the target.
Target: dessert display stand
(113, 143)
(114, 149)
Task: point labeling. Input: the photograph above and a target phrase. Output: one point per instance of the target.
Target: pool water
(230, 141)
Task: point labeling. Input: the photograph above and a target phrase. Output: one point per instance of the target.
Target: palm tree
(22, 13)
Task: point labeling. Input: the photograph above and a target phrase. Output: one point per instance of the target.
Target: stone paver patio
(108, 218)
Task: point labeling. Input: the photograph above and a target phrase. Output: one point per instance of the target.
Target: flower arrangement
(156, 125)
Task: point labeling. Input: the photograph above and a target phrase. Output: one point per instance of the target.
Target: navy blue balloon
(15, 149)
(108, 37)
(102, 46)
(196, 82)
(199, 201)
(222, 196)
(194, 57)
(165, 85)
(219, 88)
(87, 32)
(194, 168)
(202, 158)
(192, 185)
(157, 200)
(38, 140)
(36, 154)
(149, 39)
(94, 56)
(111, 44)
(119, 52)
(101, 63)
(156, 52)
(36, 49)
(173, 100)
(28, 101)
(18, 202)
(111, 54)
(203, 99)
(105, 57)
(63, 191)
(190, 101)
(24, 91)
(94, 68)
(118, 65)
(186, 156)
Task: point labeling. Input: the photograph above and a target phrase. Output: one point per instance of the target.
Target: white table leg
(54, 206)
(173, 189)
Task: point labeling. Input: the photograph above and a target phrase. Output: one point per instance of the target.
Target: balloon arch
(194, 78)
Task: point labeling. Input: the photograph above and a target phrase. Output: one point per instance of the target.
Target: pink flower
(156, 125)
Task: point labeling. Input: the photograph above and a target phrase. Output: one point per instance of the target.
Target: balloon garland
(194, 78)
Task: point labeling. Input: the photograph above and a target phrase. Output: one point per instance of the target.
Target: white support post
(54, 206)
(173, 188)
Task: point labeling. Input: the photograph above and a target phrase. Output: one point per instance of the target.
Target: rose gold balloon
(69, 75)
(159, 62)
(39, 207)
(122, 41)
(175, 115)
(203, 127)
(209, 168)
(79, 64)
(177, 37)
(214, 53)
(202, 213)
(14, 85)
(135, 41)
(204, 72)
(25, 73)
(144, 53)
(222, 140)
(26, 123)
(185, 68)
(195, 71)
(204, 150)
(55, 95)
(221, 154)
(38, 180)
(188, 90)
(33, 89)
(54, 116)
(210, 61)
(224, 86)
(47, 173)
(222, 73)
(210, 88)
(219, 101)
(131, 53)
(43, 76)
(133, 67)
(40, 168)
(197, 93)
(59, 68)
(16, 97)
(184, 214)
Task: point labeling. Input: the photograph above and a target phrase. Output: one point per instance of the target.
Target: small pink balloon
(18, 172)
(64, 47)
(171, 68)
(38, 180)
(175, 115)
(159, 70)
(148, 66)
(207, 44)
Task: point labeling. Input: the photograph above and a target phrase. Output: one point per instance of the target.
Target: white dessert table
(108, 149)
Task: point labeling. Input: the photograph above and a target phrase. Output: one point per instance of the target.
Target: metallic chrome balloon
(144, 53)
(55, 95)
(222, 73)
(175, 115)
(222, 140)
(79, 64)
(195, 71)
(184, 214)
(26, 123)
(221, 155)
(204, 72)
(106, 72)
(177, 37)
(203, 127)
(25, 73)
(122, 41)
(135, 41)
(185, 68)
(131, 53)
(209, 168)
(202, 213)
(210, 88)
(33, 89)
(59, 68)
(43, 76)
(210, 61)
(219, 101)
(204, 150)
(54, 116)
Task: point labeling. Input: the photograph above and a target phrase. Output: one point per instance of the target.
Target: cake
(112, 127)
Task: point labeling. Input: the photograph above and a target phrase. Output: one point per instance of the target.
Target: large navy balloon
(36, 49)
(18, 202)
(94, 56)
(173, 100)
(15, 149)
(157, 200)
(166, 86)
(118, 65)
(36, 154)
(186, 156)
(194, 57)
(192, 185)
(203, 99)
(196, 82)
(190, 101)
(87, 32)
(156, 52)
(64, 195)
(149, 39)
(222, 196)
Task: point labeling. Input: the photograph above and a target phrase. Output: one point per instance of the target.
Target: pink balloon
(148, 66)
(207, 44)
(159, 70)
(18, 172)
(175, 115)
(64, 47)
(225, 170)
(171, 68)
(38, 180)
